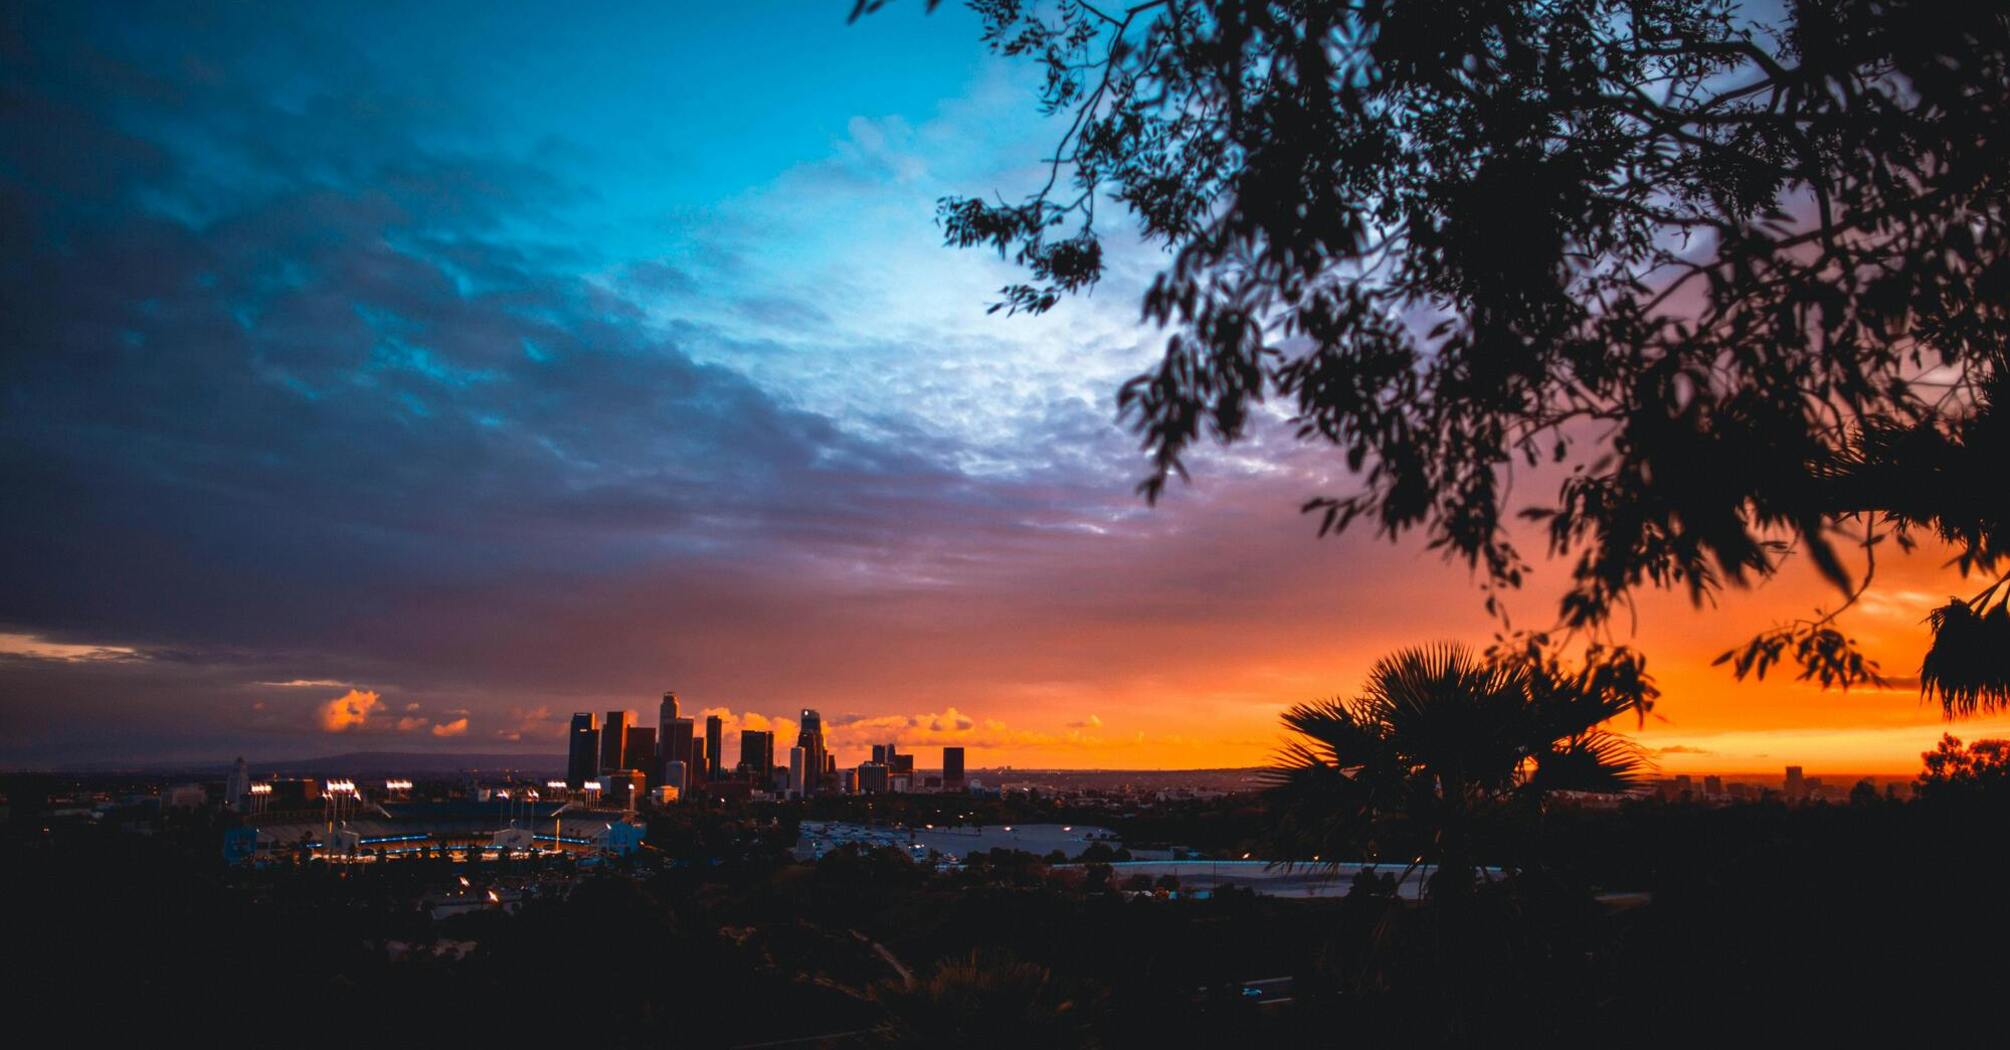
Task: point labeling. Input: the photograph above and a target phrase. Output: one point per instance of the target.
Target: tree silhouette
(1734, 288)
(984, 1002)
(1439, 751)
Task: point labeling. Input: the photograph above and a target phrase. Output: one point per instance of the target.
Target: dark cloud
(309, 379)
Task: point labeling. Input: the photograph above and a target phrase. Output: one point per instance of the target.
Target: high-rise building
(952, 769)
(715, 746)
(677, 747)
(237, 790)
(798, 769)
(1713, 786)
(757, 755)
(640, 751)
(879, 752)
(614, 741)
(666, 715)
(1796, 787)
(699, 764)
(872, 778)
(582, 753)
(815, 759)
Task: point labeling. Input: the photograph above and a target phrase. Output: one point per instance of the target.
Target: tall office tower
(879, 752)
(677, 747)
(872, 778)
(952, 769)
(815, 758)
(675, 775)
(757, 755)
(582, 754)
(698, 763)
(614, 741)
(666, 715)
(798, 768)
(899, 765)
(715, 746)
(641, 751)
(237, 790)
(1796, 785)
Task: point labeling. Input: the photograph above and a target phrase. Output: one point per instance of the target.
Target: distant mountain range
(351, 764)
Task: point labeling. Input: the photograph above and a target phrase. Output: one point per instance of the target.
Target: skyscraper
(666, 714)
(757, 755)
(952, 769)
(582, 754)
(640, 751)
(698, 761)
(677, 747)
(798, 769)
(1796, 787)
(715, 750)
(811, 741)
(614, 741)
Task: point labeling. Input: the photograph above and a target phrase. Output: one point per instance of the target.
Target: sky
(408, 377)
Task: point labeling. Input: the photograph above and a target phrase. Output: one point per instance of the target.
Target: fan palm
(1438, 748)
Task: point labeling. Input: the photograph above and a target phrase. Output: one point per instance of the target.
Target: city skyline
(424, 414)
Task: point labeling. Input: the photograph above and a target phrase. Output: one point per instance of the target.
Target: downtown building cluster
(622, 760)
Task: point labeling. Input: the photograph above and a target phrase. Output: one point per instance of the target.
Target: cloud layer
(351, 387)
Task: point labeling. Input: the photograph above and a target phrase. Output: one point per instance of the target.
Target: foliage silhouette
(1734, 287)
(1442, 751)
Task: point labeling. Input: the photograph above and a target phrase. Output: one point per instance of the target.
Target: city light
(397, 785)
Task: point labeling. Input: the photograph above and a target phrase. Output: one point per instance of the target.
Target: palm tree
(1439, 749)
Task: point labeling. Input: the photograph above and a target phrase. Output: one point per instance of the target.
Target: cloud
(457, 727)
(349, 712)
(1683, 749)
(951, 720)
(1091, 722)
(34, 647)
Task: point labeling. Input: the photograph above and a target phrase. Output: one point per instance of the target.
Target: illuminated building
(582, 755)
(715, 746)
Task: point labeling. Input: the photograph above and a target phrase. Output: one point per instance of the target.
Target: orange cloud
(457, 727)
(349, 712)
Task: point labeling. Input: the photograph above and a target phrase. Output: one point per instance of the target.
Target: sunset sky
(406, 377)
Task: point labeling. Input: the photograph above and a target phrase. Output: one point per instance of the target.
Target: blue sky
(410, 376)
